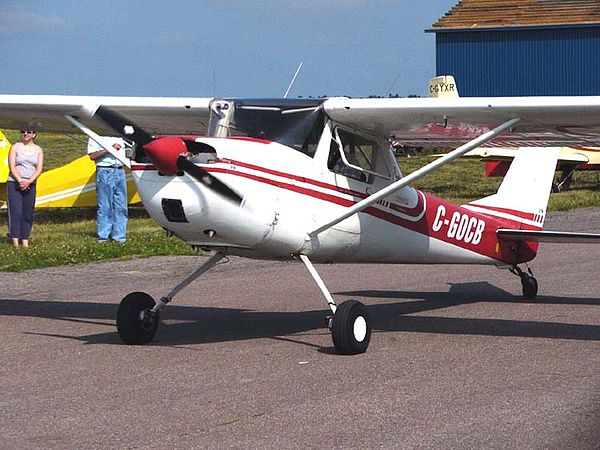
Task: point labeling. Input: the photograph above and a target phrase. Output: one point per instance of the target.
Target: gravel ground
(457, 359)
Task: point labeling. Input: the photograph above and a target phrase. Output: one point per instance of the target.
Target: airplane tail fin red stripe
(524, 192)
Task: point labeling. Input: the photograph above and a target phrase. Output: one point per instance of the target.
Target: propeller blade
(123, 126)
(165, 152)
(207, 179)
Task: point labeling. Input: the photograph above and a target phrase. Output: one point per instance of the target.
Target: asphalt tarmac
(242, 359)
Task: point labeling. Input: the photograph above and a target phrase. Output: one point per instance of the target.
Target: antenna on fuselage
(293, 79)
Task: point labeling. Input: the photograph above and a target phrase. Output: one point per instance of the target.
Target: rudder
(524, 192)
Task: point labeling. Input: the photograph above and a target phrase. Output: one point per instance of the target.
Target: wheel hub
(147, 319)
(360, 329)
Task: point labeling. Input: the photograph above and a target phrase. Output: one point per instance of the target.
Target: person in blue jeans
(111, 192)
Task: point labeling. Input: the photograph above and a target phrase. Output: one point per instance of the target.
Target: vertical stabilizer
(524, 192)
(443, 86)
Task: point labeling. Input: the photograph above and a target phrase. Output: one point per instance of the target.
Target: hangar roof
(482, 14)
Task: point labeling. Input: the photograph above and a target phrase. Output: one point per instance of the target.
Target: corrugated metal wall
(557, 61)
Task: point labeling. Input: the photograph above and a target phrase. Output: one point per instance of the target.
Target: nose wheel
(136, 321)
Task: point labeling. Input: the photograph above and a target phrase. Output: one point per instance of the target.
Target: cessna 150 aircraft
(315, 180)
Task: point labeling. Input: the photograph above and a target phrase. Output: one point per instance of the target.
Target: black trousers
(20, 210)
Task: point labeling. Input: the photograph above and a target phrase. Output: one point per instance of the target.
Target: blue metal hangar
(520, 47)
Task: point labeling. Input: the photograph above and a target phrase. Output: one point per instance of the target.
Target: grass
(464, 180)
(67, 236)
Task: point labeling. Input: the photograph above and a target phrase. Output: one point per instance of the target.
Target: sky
(224, 48)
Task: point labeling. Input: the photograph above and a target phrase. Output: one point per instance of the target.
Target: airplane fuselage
(288, 193)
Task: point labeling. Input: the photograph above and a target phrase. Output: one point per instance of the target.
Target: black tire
(351, 328)
(530, 287)
(131, 327)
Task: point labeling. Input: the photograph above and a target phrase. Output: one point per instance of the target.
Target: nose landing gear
(138, 313)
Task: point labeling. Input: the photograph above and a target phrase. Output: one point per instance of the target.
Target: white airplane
(316, 181)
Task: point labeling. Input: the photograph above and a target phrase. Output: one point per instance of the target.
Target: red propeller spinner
(164, 151)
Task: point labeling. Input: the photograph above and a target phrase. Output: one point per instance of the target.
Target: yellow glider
(72, 185)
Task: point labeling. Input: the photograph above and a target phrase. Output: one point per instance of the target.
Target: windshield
(294, 123)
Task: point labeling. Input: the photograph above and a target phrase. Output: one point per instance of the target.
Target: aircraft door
(351, 159)
(360, 158)
(359, 167)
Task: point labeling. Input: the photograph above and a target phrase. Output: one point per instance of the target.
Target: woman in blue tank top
(25, 161)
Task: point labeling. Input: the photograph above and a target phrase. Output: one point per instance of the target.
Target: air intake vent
(173, 210)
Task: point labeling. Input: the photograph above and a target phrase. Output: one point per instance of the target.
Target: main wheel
(135, 322)
(351, 328)
(530, 287)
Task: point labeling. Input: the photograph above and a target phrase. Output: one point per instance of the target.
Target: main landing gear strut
(137, 317)
(528, 281)
(350, 324)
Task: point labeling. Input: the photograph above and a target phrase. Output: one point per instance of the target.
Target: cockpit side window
(336, 164)
(355, 156)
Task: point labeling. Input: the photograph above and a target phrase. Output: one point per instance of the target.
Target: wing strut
(101, 141)
(416, 175)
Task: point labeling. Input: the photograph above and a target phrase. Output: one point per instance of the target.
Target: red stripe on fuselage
(142, 167)
(250, 139)
(461, 225)
(512, 212)
(283, 185)
(292, 177)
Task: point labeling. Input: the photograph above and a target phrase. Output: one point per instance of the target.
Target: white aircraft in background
(316, 181)
(498, 158)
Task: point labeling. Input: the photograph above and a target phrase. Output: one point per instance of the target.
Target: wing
(544, 121)
(159, 115)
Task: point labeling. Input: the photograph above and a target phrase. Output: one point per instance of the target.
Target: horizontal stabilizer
(549, 236)
(566, 154)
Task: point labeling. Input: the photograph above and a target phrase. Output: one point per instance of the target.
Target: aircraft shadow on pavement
(196, 325)
(461, 293)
